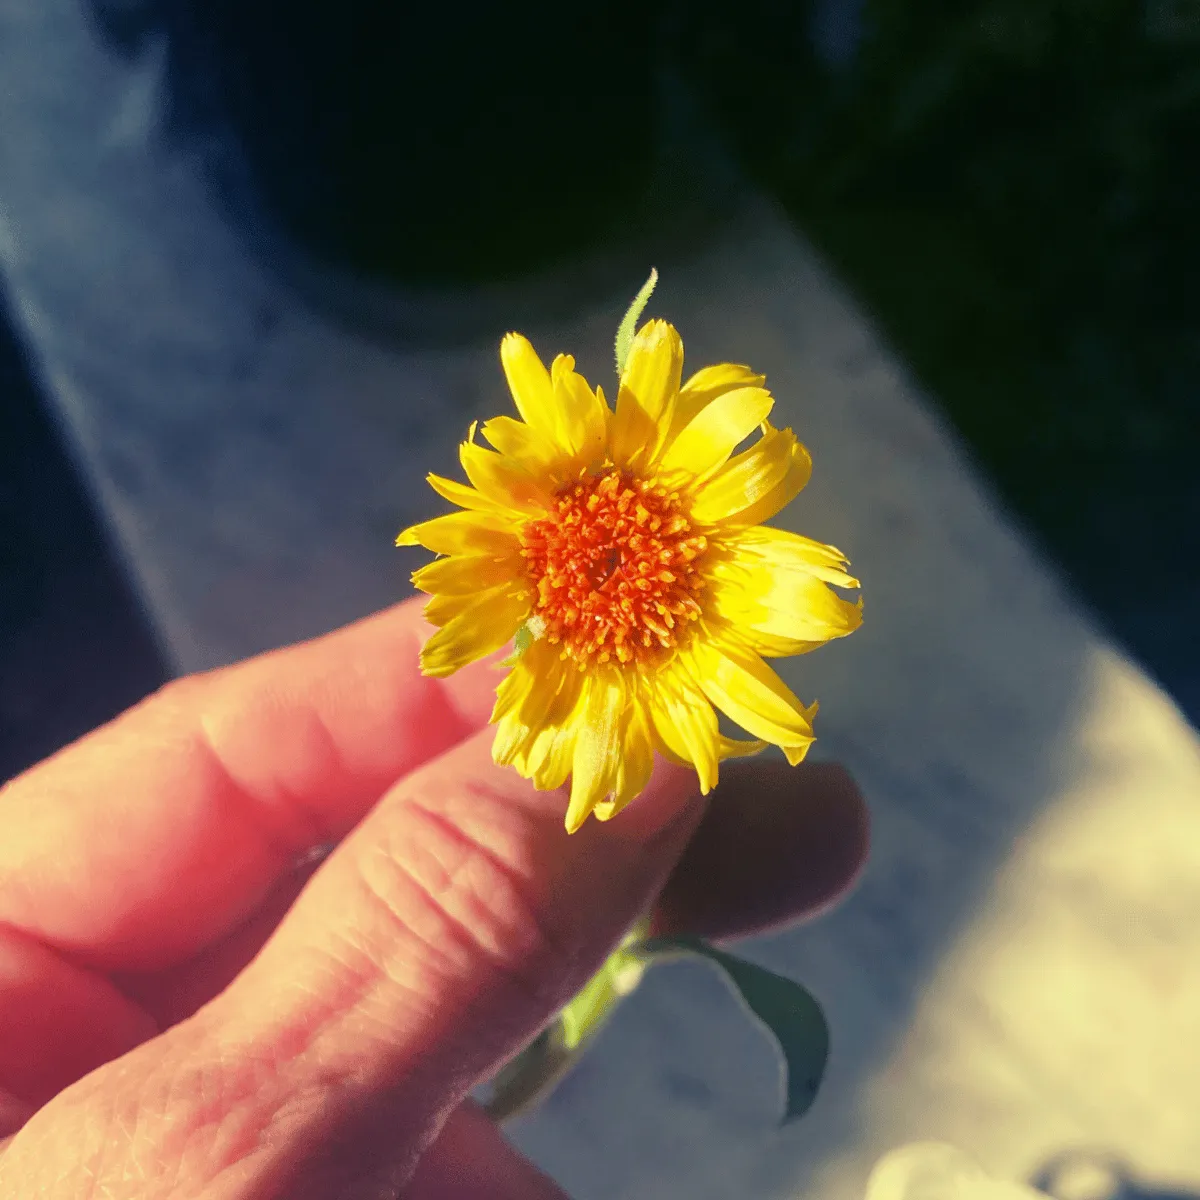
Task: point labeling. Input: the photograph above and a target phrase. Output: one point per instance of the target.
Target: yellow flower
(625, 553)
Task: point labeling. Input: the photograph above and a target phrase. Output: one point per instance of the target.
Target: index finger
(140, 843)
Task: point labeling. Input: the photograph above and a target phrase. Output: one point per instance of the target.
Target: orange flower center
(616, 570)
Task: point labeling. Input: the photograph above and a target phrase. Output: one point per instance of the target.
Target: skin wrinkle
(98, 1146)
(501, 932)
(326, 997)
(125, 1024)
(80, 962)
(481, 1054)
(298, 1114)
(304, 827)
(231, 1104)
(478, 798)
(306, 1029)
(203, 1134)
(360, 1143)
(215, 1116)
(438, 709)
(298, 1106)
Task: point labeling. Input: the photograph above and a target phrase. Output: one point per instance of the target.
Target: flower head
(624, 551)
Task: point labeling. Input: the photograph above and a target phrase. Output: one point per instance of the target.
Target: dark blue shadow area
(506, 139)
(1010, 189)
(74, 647)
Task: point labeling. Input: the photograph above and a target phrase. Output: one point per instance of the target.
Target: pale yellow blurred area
(1065, 1012)
(934, 1171)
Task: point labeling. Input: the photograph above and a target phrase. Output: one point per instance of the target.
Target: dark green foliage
(1011, 187)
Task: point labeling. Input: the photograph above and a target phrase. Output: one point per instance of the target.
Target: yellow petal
(799, 469)
(789, 551)
(596, 745)
(707, 441)
(504, 480)
(743, 687)
(781, 602)
(512, 741)
(552, 750)
(635, 764)
(515, 687)
(462, 495)
(755, 484)
(468, 574)
(737, 747)
(685, 721)
(707, 384)
(516, 440)
(529, 382)
(647, 395)
(770, 645)
(529, 698)
(583, 415)
(465, 533)
(797, 753)
(678, 756)
(551, 755)
(442, 607)
(481, 627)
(544, 753)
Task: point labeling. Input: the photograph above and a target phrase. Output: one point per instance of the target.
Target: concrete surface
(74, 648)
(1019, 971)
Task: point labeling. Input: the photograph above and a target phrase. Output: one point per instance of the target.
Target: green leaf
(628, 326)
(787, 1011)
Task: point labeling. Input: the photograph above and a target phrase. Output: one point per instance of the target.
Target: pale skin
(189, 1009)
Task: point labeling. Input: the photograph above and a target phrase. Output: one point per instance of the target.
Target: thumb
(431, 945)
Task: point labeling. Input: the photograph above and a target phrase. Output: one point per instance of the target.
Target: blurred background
(1008, 187)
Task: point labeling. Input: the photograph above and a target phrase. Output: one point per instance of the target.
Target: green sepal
(786, 1010)
(628, 326)
(522, 640)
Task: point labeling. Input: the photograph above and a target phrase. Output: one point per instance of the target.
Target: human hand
(192, 1004)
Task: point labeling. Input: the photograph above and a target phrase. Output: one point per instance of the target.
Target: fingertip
(778, 844)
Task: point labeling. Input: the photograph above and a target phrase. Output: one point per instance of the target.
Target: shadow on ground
(74, 647)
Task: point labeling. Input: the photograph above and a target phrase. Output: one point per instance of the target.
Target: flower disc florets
(617, 566)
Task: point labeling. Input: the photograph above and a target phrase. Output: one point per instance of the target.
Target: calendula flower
(624, 551)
